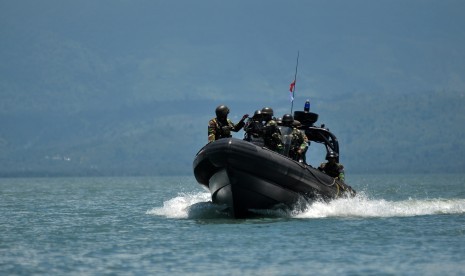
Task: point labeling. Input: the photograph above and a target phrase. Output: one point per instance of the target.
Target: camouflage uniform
(271, 133)
(298, 144)
(335, 170)
(221, 126)
(218, 129)
(254, 127)
(303, 152)
(272, 136)
(303, 155)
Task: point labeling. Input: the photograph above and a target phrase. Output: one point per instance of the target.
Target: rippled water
(397, 224)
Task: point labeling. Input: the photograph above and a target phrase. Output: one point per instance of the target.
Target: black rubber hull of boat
(243, 176)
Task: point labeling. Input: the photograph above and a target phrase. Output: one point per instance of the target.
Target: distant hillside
(377, 133)
(411, 132)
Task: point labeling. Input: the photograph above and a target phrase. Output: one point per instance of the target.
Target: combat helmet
(331, 154)
(287, 120)
(267, 113)
(222, 111)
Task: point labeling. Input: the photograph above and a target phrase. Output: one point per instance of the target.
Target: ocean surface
(396, 225)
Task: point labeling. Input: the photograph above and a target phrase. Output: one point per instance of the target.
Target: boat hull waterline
(245, 177)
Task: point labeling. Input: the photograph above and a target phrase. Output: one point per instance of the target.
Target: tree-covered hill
(379, 133)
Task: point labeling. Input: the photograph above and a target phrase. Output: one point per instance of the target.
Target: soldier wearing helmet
(254, 127)
(287, 120)
(221, 127)
(299, 139)
(271, 134)
(267, 113)
(303, 155)
(332, 168)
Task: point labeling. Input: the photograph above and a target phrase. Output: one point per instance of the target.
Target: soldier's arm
(211, 131)
(241, 123)
(341, 175)
(304, 144)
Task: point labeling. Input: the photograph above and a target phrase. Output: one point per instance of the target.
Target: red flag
(291, 88)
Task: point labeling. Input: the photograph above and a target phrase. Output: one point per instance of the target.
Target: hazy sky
(242, 49)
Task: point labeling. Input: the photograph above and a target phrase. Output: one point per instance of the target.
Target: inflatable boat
(246, 177)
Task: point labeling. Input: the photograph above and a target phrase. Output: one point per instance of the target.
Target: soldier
(332, 168)
(254, 127)
(221, 126)
(270, 132)
(303, 155)
(298, 142)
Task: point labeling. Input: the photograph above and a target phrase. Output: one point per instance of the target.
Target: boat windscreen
(286, 138)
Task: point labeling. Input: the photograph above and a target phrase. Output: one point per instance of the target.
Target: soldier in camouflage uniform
(270, 132)
(221, 126)
(299, 140)
(254, 126)
(332, 168)
(303, 154)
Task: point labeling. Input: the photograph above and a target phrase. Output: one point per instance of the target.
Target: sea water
(396, 225)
